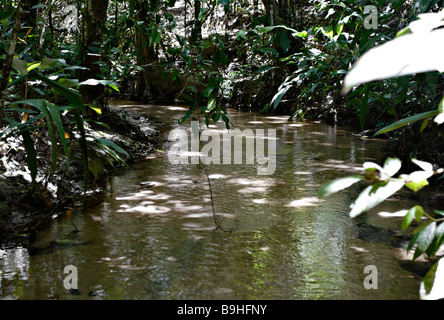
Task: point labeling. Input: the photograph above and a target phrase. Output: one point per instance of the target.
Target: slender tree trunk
(7, 67)
(196, 34)
(94, 19)
(30, 14)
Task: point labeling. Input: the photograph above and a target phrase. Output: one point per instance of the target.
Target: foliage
(34, 84)
(388, 60)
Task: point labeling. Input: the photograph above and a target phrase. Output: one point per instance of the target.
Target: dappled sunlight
(261, 201)
(176, 108)
(295, 125)
(305, 202)
(397, 214)
(266, 182)
(337, 165)
(151, 210)
(303, 173)
(252, 190)
(136, 196)
(217, 176)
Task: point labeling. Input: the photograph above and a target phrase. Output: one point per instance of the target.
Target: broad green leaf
(284, 42)
(155, 37)
(51, 63)
(424, 238)
(424, 124)
(391, 166)
(241, 34)
(42, 106)
(409, 54)
(111, 144)
(411, 214)
(20, 66)
(427, 22)
(406, 121)
(439, 119)
(403, 32)
(283, 88)
(371, 165)
(74, 97)
(33, 66)
(370, 198)
(408, 219)
(432, 287)
(338, 185)
(95, 108)
(339, 28)
(426, 166)
(415, 187)
(95, 82)
(211, 104)
(55, 115)
(268, 29)
(440, 212)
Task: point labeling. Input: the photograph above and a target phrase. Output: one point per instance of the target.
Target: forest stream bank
(23, 211)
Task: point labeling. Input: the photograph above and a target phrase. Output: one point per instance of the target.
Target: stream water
(152, 234)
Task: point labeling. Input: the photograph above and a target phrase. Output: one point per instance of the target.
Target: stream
(152, 234)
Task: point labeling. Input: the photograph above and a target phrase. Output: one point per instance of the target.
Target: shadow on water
(152, 235)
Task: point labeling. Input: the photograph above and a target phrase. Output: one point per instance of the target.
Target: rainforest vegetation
(63, 61)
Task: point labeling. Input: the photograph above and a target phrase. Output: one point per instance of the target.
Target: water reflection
(152, 234)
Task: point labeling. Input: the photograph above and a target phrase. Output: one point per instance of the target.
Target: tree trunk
(196, 34)
(152, 87)
(7, 66)
(94, 19)
(29, 14)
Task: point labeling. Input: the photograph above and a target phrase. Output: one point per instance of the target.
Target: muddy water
(152, 233)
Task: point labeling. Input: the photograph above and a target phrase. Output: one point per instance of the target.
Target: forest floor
(22, 211)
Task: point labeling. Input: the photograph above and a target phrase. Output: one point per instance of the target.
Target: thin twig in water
(215, 216)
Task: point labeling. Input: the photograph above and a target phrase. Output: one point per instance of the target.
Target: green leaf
(424, 238)
(111, 144)
(411, 214)
(283, 88)
(32, 66)
(95, 108)
(55, 116)
(211, 104)
(51, 63)
(284, 41)
(338, 185)
(155, 37)
(42, 106)
(268, 29)
(241, 34)
(399, 57)
(370, 198)
(416, 186)
(406, 121)
(391, 166)
(20, 66)
(432, 287)
(74, 97)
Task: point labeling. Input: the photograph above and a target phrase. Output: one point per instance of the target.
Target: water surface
(152, 234)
